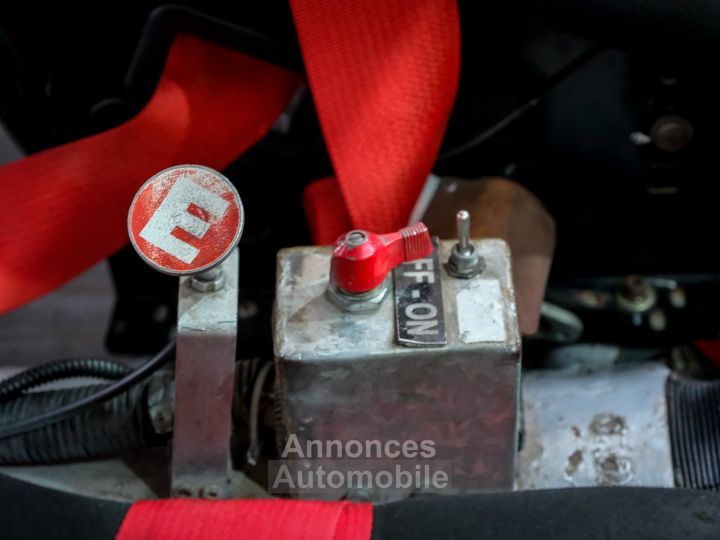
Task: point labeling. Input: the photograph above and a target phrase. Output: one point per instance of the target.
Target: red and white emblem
(185, 219)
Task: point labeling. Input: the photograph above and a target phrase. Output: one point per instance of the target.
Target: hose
(61, 369)
(67, 410)
(118, 425)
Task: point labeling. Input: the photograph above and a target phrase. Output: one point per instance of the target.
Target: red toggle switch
(361, 260)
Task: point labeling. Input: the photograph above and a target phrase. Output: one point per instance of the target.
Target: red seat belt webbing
(383, 75)
(65, 209)
(326, 211)
(256, 519)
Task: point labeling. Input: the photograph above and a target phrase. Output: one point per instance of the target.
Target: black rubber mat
(609, 513)
(694, 416)
(32, 512)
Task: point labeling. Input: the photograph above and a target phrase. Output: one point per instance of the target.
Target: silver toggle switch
(464, 261)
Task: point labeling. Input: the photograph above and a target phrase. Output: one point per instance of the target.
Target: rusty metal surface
(501, 208)
(343, 377)
(605, 427)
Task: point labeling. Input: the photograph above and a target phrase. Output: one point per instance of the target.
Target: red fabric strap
(257, 519)
(65, 209)
(710, 348)
(383, 74)
(326, 212)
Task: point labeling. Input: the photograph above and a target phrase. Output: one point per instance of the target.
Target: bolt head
(211, 491)
(671, 133)
(182, 491)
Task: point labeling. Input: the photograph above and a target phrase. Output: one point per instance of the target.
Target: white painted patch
(173, 212)
(481, 316)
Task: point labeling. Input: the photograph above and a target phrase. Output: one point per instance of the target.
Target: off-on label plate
(419, 316)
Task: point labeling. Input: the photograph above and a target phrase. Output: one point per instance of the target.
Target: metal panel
(342, 376)
(598, 428)
(205, 367)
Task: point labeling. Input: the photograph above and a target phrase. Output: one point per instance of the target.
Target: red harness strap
(384, 75)
(258, 519)
(65, 209)
(710, 348)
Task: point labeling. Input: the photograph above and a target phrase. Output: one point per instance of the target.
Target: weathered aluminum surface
(204, 375)
(419, 314)
(342, 376)
(607, 427)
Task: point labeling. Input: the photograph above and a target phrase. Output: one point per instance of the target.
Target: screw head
(356, 238)
(182, 491)
(671, 133)
(211, 491)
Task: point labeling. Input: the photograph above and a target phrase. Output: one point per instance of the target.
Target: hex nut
(465, 265)
(358, 302)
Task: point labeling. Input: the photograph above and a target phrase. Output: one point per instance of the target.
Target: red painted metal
(361, 260)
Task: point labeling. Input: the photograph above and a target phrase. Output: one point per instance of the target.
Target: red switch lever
(361, 260)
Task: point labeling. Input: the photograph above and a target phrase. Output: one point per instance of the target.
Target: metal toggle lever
(465, 261)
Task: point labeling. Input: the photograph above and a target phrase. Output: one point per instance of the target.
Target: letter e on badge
(185, 219)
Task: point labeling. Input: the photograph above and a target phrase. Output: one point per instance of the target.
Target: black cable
(61, 369)
(118, 425)
(108, 392)
(591, 52)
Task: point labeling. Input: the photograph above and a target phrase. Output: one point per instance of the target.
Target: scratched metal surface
(205, 359)
(608, 427)
(343, 377)
(307, 326)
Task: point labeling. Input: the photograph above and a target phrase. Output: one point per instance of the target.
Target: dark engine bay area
(533, 351)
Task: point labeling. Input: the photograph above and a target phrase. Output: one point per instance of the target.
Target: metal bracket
(204, 376)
